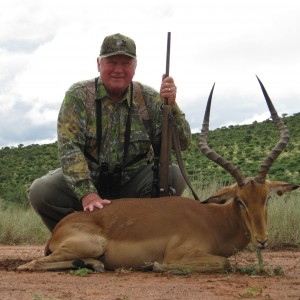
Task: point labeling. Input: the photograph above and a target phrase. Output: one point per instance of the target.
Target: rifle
(166, 139)
(162, 184)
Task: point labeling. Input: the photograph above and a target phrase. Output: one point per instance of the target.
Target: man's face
(116, 72)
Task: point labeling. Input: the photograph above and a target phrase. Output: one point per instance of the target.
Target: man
(105, 128)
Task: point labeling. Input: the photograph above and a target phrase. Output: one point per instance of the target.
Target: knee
(36, 194)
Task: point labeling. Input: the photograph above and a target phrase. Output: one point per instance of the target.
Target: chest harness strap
(109, 183)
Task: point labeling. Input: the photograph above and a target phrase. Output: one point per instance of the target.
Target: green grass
(23, 226)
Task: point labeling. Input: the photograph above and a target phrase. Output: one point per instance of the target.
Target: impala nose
(261, 244)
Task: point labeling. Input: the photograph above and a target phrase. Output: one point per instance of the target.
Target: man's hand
(93, 201)
(168, 90)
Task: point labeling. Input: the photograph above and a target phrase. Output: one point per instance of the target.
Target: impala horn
(212, 155)
(228, 166)
(284, 138)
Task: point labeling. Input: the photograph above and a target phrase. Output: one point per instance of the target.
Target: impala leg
(47, 264)
(74, 252)
(193, 261)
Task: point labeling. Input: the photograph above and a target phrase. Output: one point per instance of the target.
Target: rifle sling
(176, 146)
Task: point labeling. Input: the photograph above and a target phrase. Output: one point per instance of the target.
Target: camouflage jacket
(76, 128)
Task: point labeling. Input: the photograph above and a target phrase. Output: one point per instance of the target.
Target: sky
(47, 45)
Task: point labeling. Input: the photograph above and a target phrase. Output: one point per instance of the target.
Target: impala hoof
(91, 265)
(98, 269)
(78, 263)
(147, 267)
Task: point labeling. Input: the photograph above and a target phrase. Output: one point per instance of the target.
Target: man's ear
(98, 64)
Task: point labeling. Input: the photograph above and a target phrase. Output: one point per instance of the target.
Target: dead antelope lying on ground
(171, 233)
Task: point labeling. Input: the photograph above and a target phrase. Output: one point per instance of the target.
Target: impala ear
(222, 196)
(214, 200)
(280, 187)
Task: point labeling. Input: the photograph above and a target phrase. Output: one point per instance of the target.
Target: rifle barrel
(168, 54)
(168, 61)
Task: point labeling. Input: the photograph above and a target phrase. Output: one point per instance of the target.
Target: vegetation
(21, 226)
(20, 166)
(246, 146)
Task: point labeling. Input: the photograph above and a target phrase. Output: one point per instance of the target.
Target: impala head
(249, 196)
(250, 201)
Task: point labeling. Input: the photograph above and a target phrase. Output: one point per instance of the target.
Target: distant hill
(245, 145)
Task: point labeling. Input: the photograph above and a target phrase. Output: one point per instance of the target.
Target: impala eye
(240, 203)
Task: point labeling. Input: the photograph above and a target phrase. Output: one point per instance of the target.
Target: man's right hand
(93, 201)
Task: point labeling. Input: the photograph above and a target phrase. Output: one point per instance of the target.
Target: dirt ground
(126, 285)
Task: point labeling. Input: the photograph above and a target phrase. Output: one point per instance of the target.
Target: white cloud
(39, 115)
(45, 46)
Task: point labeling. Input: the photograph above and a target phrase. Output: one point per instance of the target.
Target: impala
(171, 233)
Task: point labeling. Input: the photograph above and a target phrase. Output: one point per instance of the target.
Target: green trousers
(53, 199)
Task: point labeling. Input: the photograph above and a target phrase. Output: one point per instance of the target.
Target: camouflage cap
(118, 44)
